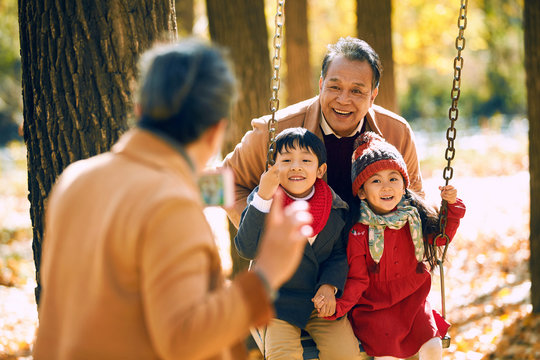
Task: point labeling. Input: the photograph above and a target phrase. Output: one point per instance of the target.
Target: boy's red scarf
(320, 205)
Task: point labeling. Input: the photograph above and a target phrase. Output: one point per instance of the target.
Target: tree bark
(531, 17)
(299, 79)
(184, 16)
(240, 25)
(374, 25)
(78, 70)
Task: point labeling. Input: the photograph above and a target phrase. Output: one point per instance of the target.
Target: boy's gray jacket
(324, 262)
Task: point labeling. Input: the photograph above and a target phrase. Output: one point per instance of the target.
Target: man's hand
(325, 300)
(284, 239)
(269, 183)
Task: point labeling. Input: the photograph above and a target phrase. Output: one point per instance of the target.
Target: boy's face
(383, 191)
(298, 170)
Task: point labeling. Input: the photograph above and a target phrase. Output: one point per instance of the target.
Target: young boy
(300, 164)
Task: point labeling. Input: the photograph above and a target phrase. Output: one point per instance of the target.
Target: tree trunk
(240, 25)
(78, 68)
(374, 25)
(531, 17)
(299, 79)
(184, 16)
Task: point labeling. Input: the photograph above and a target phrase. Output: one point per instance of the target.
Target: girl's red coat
(388, 309)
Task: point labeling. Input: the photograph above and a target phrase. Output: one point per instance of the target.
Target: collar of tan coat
(156, 152)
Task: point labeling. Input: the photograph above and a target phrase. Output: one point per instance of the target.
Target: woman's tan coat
(130, 268)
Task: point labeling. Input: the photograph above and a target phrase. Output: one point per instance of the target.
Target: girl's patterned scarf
(320, 205)
(394, 220)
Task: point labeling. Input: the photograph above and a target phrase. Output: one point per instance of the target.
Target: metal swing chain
(276, 82)
(450, 153)
(274, 106)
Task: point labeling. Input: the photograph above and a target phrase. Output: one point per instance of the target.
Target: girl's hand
(325, 301)
(269, 183)
(448, 193)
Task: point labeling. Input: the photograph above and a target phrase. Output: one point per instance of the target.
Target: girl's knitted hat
(372, 154)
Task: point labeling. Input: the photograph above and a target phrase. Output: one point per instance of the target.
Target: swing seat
(310, 348)
(311, 352)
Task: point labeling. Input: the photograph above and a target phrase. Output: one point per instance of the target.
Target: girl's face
(298, 170)
(383, 191)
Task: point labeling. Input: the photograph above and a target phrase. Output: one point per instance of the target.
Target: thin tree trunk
(240, 25)
(299, 79)
(184, 16)
(78, 68)
(374, 25)
(531, 17)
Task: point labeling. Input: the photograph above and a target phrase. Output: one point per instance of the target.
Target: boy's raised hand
(448, 193)
(269, 183)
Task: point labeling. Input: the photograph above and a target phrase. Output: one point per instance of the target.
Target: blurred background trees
(10, 73)
(297, 52)
(374, 25)
(422, 34)
(185, 16)
(240, 26)
(415, 39)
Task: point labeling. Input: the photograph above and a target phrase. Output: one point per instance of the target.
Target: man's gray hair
(354, 49)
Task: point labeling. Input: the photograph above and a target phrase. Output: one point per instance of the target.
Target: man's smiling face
(298, 170)
(346, 94)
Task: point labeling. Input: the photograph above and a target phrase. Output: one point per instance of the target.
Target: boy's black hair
(299, 137)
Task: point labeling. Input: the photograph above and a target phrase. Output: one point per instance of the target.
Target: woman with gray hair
(130, 268)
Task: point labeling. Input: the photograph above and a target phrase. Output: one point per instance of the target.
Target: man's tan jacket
(248, 160)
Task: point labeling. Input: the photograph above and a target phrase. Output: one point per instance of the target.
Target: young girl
(388, 284)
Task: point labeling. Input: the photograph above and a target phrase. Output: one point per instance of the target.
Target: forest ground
(487, 279)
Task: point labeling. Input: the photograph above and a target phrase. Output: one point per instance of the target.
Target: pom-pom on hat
(372, 154)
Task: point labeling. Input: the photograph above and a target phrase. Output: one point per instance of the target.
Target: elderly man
(348, 86)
